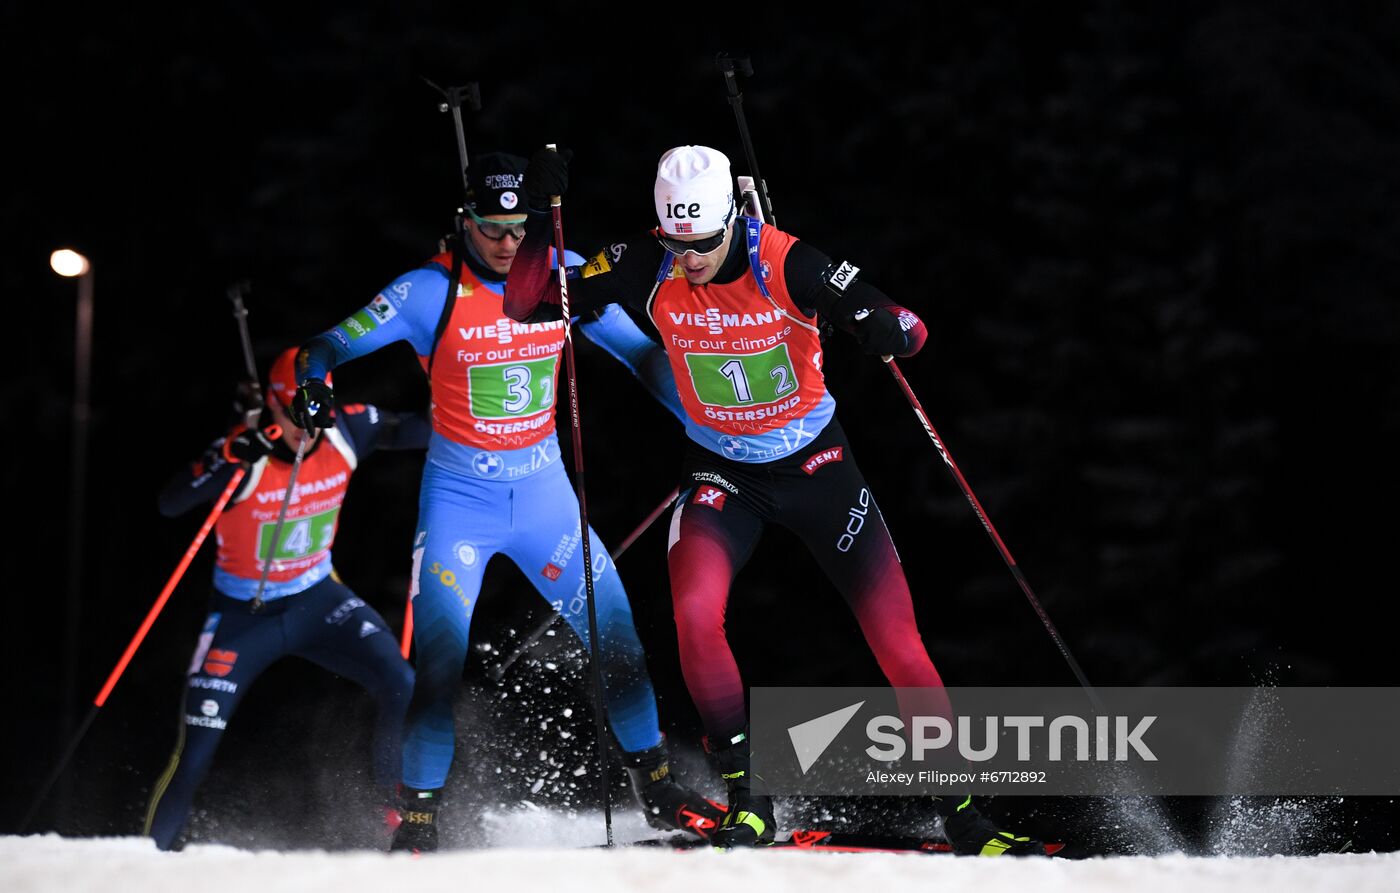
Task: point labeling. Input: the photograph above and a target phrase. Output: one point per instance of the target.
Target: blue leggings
(462, 522)
(329, 626)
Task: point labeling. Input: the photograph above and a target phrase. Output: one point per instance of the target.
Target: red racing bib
(494, 380)
(743, 364)
(245, 528)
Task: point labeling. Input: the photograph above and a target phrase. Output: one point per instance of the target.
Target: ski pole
(270, 557)
(728, 67)
(646, 522)
(989, 527)
(136, 640)
(406, 643)
(498, 672)
(600, 720)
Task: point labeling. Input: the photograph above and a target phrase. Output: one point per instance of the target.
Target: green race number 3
(510, 390)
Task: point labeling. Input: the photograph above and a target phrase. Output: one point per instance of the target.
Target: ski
(833, 842)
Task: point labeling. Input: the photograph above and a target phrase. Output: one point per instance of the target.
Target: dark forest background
(1155, 248)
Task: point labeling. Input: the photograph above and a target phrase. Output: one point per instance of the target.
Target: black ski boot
(417, 831)
(749, 820)
(667, 804)
(973, 834)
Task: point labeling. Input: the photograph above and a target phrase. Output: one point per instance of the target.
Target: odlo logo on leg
(855, 521)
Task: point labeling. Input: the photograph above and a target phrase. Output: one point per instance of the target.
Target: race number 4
(299, 537)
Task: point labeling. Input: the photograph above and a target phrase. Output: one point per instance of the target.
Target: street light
(69, 263)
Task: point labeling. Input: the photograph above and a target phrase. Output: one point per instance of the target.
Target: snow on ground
(551, 853)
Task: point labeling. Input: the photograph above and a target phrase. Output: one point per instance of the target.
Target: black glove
(311, 405)
(880, 333)
(547, 174)
(249, 445)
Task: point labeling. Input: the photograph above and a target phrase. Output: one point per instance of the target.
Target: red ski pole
(273, 432)
(407, 642)
(991, 530)
(599, 719)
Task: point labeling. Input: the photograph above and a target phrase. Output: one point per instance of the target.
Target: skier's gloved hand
(249, 445)
(311, 405)
(547, 174)
(879, 332)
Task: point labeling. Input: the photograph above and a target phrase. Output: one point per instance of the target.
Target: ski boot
(973, 834)
(749, 820)
(667, 804)
(417, 830)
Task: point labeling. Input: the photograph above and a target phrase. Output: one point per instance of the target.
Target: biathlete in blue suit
(494, 483)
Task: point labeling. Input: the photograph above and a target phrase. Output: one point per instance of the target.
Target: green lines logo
(360, 324)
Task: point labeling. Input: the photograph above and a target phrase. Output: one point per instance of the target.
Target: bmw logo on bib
(487, 464)
(733, 447)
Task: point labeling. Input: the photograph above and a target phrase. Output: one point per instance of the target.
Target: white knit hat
(694, 192)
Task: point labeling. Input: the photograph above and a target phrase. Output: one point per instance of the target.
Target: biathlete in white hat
(735, 304)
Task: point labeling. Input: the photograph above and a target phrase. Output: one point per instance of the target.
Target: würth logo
(820, 459)
(219, 662)
(711, 496)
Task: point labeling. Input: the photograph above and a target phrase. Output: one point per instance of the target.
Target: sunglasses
(701, 247)
(495, 230)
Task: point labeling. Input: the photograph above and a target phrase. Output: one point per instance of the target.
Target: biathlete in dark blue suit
(305, 609)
